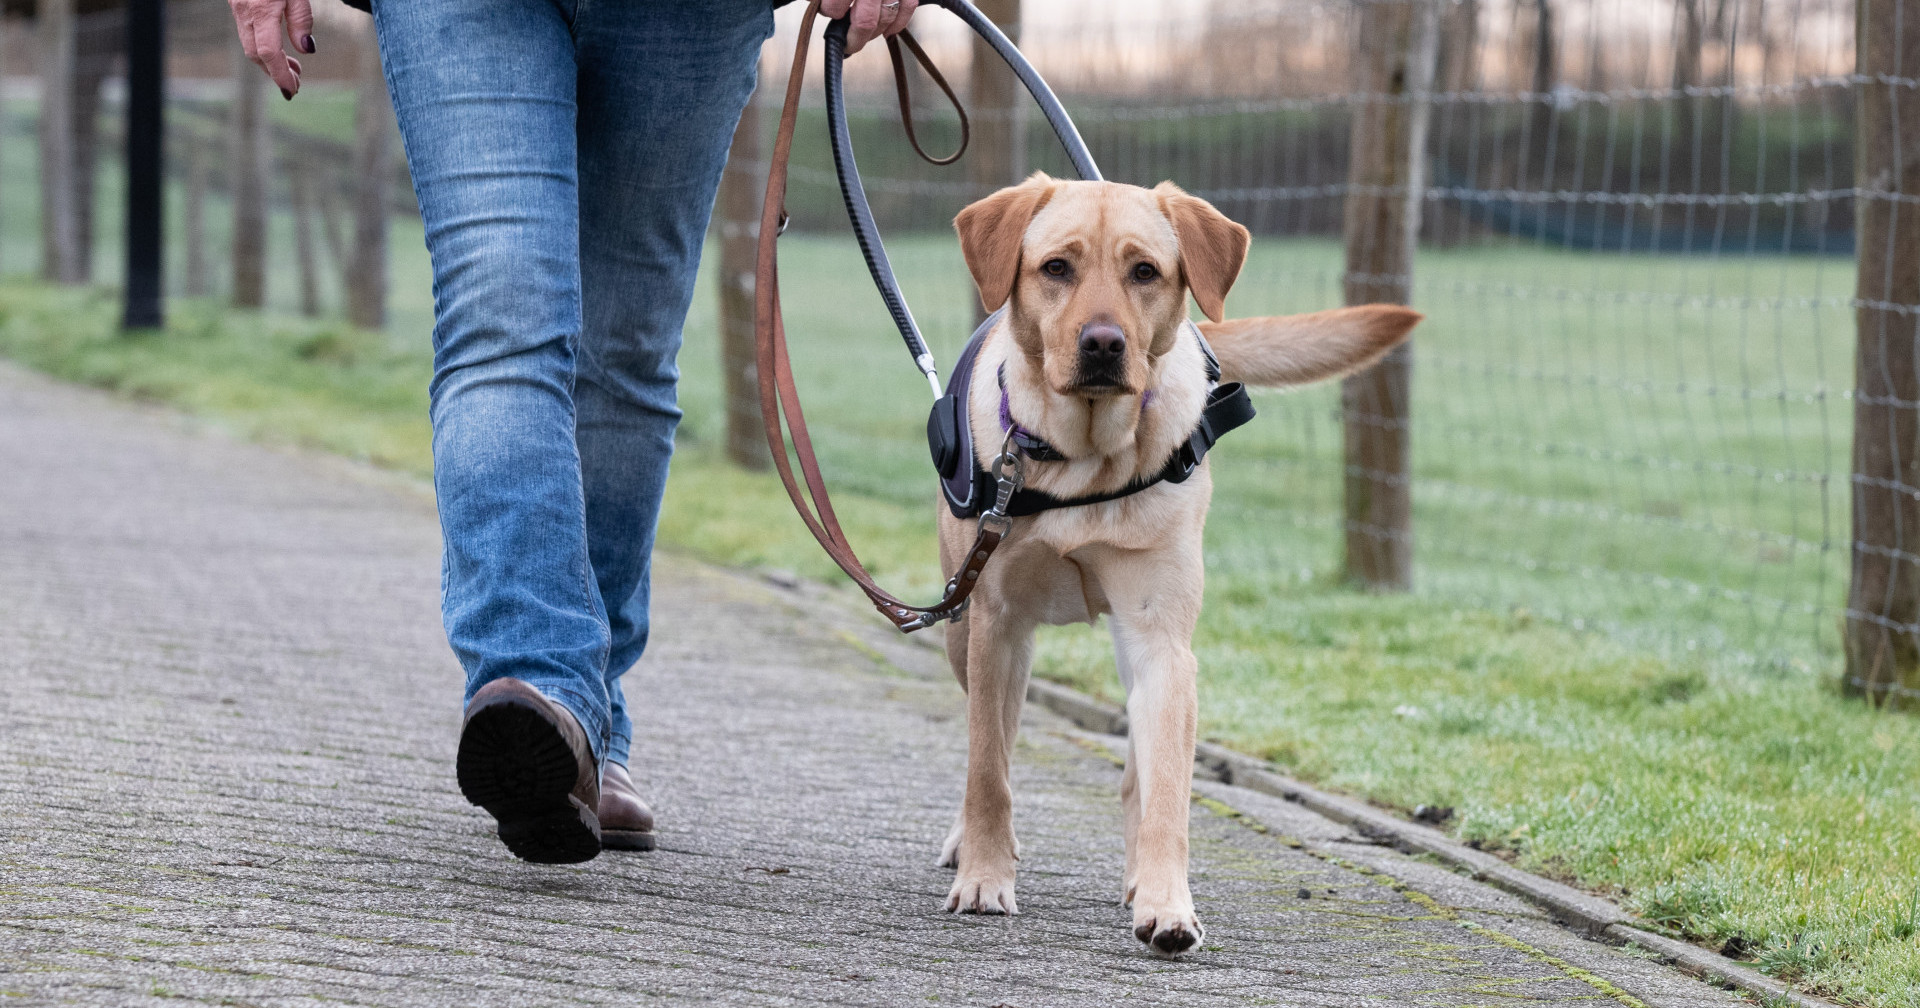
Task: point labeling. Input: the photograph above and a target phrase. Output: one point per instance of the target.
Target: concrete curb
(1590, 914)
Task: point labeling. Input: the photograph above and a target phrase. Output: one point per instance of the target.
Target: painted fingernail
(306, 44)
(288, 95)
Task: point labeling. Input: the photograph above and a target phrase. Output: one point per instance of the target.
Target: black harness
(967, 487)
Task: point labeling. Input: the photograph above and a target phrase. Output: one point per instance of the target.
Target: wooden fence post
(742, 185)
(997, 151)
(373, 131)
(199, 277)
(1883, 600)
(59, 219)
(247, 181)
(300, 185)
(1395, 58)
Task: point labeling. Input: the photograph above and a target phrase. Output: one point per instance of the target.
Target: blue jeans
(565, 155)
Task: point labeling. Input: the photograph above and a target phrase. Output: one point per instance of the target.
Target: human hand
(260, 23)
(870, 18)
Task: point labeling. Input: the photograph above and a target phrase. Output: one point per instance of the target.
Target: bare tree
(373, 180)
(1545, 78)
(247, 154)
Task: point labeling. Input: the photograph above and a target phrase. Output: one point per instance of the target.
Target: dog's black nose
(1101, 341)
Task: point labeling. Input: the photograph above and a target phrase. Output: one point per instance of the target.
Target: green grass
(1630, 528)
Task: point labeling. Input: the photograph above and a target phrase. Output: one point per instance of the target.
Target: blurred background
(1633, 232)
(1635, 240)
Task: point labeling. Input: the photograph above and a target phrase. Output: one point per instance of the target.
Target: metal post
(1883, 600)
(1398, 40)
(146, 136)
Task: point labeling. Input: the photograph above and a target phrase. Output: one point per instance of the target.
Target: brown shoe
(525, 759)
(626, 823)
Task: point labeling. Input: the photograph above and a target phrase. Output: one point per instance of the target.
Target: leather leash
(780, 396)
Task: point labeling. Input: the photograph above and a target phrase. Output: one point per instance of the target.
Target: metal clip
(1007, 485)
(782, 229)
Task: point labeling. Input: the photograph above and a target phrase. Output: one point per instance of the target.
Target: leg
(661, 86)
(1156, 602)
(999, 655)
(484, 94)
(957, 660)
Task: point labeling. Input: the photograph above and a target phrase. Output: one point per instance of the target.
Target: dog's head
(1097, 274)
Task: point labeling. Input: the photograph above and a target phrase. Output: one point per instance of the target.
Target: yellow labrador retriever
(1093, 354)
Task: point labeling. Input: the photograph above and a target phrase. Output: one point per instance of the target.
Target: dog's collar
(1032, 445)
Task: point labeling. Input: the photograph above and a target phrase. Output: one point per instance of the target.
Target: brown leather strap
(906, 101)
(780, 397)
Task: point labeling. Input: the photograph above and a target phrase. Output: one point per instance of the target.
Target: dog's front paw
(982, 893)
(950, 850)
(1167, 933)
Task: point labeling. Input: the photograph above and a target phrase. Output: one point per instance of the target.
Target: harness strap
(1228, 406)
(780, 396)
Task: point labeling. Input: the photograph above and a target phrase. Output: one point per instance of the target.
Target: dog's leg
(1129, 778)
(1156, 602)
(957, 658)
(999, 648)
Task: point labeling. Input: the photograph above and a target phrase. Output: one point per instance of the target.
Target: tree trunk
(1457, 67)
(1689, 41)
(1883, 600)
(1386, 171)
(302, 191)
(373, 178)
(1546, 77)
(60, 247)
(741, 189)
(247, 173)
(997, 102)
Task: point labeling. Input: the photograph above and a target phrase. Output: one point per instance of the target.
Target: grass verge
(1742, 806)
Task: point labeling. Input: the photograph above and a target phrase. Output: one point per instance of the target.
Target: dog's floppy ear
(990, 235)
(1212, 248)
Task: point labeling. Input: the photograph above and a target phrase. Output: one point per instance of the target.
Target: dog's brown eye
(1144, 272)
(1055, 267)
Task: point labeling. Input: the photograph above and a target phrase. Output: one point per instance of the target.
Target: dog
(1095, 351)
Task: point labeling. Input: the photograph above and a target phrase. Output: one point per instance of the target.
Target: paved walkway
(226, 727)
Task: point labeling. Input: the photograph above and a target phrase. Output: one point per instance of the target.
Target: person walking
(565, 156)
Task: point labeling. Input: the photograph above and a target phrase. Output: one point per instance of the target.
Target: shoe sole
(514, 763)
(626, 840)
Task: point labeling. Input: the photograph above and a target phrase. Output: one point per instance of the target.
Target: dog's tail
(1301, 349)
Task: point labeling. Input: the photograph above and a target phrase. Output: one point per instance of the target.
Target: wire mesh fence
(1630, 406)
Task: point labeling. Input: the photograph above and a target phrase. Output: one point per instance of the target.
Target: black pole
(146, 133)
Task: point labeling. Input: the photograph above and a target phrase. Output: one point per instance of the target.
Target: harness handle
(780, 397)
(847, 170)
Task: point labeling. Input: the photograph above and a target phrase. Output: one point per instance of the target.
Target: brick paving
(227, 719)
